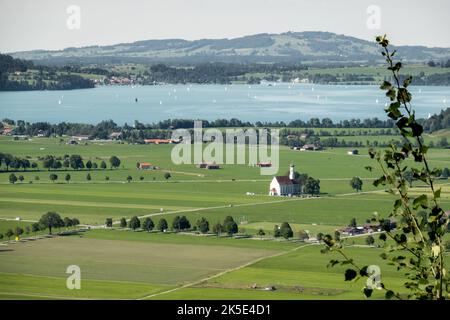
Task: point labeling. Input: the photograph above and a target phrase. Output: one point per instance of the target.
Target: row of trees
(179, 223)
(49, 220)
(49, 162)
(54, 177)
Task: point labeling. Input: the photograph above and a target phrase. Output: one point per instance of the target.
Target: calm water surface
(283, 102)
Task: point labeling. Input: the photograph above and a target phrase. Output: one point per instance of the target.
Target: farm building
(145, 166)
(284, 185)
(7, 131)
(353, 152)
(115, 135)
(207, 165)
(80, 137)
(264, 164)
(310, 147)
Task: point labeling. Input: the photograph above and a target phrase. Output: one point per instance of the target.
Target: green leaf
(420, 201)
(385, 85)
(417, 130)
(407, 81)
(437, 193)
(350, 274)
(391, 94)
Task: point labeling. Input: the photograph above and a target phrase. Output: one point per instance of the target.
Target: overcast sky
(42, 24)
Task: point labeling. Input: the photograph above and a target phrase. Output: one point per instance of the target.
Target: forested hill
(18, 75)
(309, 47)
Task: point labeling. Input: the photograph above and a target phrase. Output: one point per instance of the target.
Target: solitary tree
(286, 230)
(162, 225)
(89, 164)
(103, 165)
(312, 186)
(109, 222)
(35, 227)
(67, 178)
(319, 236)
(88, 177)
(114, 162)
(51, 220)
(276, 231)
(12, 178)
(370, 240)
(217, 228)
(9, 233)
(203, 225)
(129, 179)
(68, 222)
(303, 235)
(53, 177)
(18, 231)
(230, 226)
(21, 178)
(148, 224)
(123, 223)
(134, 223)
(356, 183)
(75, 222)
(261, 233)
(167, 176)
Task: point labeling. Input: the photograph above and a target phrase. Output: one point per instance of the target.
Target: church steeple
(291, 172)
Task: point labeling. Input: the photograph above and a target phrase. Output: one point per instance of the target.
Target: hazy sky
(42, 24)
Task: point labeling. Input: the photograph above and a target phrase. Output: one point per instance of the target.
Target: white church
(284, 185)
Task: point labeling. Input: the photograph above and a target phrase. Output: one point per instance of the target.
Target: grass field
(130, 265)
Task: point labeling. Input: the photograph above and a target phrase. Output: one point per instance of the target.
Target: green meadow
(122, 264)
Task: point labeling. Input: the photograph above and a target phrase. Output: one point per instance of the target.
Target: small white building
(284, 185)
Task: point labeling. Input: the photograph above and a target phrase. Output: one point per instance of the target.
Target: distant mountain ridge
(289, 47)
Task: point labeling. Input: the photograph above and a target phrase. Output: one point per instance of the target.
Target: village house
(310, 147)
(7, 131)
(208, 165)
(40, 133)
(80, 137)
(284, 185)
(115, 135)
(264, 164)
(145, 166)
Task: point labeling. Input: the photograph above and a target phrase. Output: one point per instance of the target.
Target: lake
(282, 102)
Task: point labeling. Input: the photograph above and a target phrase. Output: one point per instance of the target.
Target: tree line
(179, 223)
(51, 162)
(46, 78)
(48, 221)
